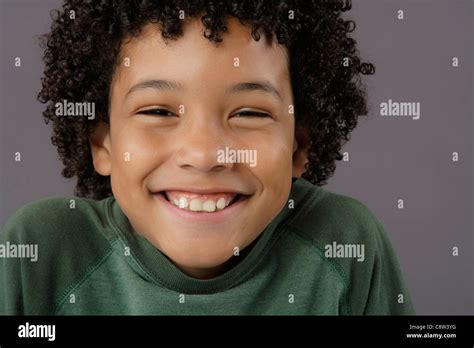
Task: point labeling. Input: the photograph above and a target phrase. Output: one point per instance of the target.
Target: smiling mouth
(202, 203)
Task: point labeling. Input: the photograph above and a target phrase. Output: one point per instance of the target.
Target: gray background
(390, 157)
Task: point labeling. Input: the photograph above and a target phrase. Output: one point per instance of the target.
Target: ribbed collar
(162, 271)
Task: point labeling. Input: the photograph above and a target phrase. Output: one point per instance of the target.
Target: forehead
(192, 58)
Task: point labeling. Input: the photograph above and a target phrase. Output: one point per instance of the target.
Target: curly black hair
(82, 47)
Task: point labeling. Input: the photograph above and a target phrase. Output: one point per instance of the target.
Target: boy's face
(209, 99)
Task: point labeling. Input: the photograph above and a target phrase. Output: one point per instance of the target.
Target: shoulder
(61, 237)
(324, 214)
(51, 218)
(347, 235)
(327, 220)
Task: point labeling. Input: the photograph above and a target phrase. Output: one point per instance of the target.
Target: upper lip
(203, 191)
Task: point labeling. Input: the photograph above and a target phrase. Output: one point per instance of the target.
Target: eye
(251, 113)
(156, 112)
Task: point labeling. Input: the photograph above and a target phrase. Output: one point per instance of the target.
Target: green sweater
(324, 253)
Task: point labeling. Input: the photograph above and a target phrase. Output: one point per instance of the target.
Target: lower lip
(215, 217)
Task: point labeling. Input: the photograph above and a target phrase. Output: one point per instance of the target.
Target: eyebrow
(156, 84)
(262, 86)
(255, 86)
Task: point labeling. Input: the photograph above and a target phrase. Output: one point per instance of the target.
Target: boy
(199, 171)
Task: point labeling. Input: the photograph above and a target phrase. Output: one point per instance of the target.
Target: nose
(200, 143)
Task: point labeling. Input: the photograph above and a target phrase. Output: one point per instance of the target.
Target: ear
(99, 141)
(300, 151)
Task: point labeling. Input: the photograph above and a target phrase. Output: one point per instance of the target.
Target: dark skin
(179, 149)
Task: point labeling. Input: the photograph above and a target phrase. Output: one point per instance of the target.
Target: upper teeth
(197, 204)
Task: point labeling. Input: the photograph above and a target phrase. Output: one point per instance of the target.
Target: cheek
(274, 164)
(135, 154)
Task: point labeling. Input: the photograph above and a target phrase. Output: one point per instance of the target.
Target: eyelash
(154, 112)
(247, 113)
(254, 113)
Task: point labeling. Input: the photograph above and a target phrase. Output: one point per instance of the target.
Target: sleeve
(388, 294)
